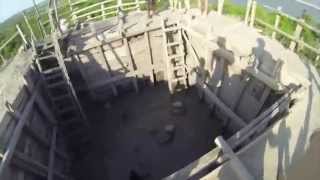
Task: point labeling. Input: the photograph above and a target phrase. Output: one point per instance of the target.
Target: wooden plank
(240, 170)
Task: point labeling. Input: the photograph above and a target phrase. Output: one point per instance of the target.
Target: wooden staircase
(72, 120)
(174, 56)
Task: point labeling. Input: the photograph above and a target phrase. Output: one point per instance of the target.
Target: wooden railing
(101, 10)
(296, 41)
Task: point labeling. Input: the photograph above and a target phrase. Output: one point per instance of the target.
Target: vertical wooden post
(235, 163)
(220, 6)
(296, 35)
(110, 74)
(205, 12)
(138, 5)
(253, 13)
(33, 37)
(22, 35)
(276, 23)
(2, 59)
(149, 55)
(70, 5)
(103, 11)
(248, 10)
(41, 26)
(126, 44)
(186, 4)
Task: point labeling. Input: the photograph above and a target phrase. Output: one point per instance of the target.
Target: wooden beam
(220, 6)
(235, 163)
(131, 61)
(52, 154)
(33, 37)
(296, 35)
(149, 55)
(276, 23)
(23, 37)
(253, 13)
(248, 10)
(107, 66)
(240, 123)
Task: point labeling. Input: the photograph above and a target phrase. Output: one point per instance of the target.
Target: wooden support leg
(238, 167)
(134, 79)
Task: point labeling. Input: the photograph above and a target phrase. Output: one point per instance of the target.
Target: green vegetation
(8, 28)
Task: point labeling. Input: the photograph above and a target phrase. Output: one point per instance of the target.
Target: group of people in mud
(202, 4)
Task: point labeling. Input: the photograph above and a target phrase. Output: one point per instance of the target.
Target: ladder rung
(175, 56)
(173, 44)
(171, 29)
(52, 70)
(178, 67)
(59, 98)
(179, 79)
(46, 57)
(54, 76)
(66, 110)
(53, 85)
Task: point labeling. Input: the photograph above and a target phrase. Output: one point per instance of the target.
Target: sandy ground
(125, 135)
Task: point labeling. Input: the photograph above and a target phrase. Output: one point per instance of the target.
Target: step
(53, 76)
(66, 110)
(52, 70)
(179, 79)
(179, 67)
(169, 29)
(59, 83)
(62, 97)
(173, 44)
(47, 57)
(175, 56)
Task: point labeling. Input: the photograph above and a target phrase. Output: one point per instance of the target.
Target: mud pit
(127, 134)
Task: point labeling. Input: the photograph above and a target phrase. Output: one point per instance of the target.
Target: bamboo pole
(296, 35)
(277, 22)
(22, 35)
(33, 37)
(220, 6)
(248, 10)
(41, 26)
(253, 13)
(235, 163)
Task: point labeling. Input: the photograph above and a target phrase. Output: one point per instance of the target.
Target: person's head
(261, 43)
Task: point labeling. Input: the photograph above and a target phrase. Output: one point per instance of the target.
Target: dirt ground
(125, 135)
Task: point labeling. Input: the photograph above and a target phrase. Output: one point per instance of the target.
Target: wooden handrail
(9, 40)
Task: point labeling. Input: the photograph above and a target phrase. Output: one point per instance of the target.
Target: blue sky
(10, 7)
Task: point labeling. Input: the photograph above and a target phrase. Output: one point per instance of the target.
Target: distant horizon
(12, 7)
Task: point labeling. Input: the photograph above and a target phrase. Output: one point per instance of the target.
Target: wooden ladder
(70, 115)
(174, 56)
